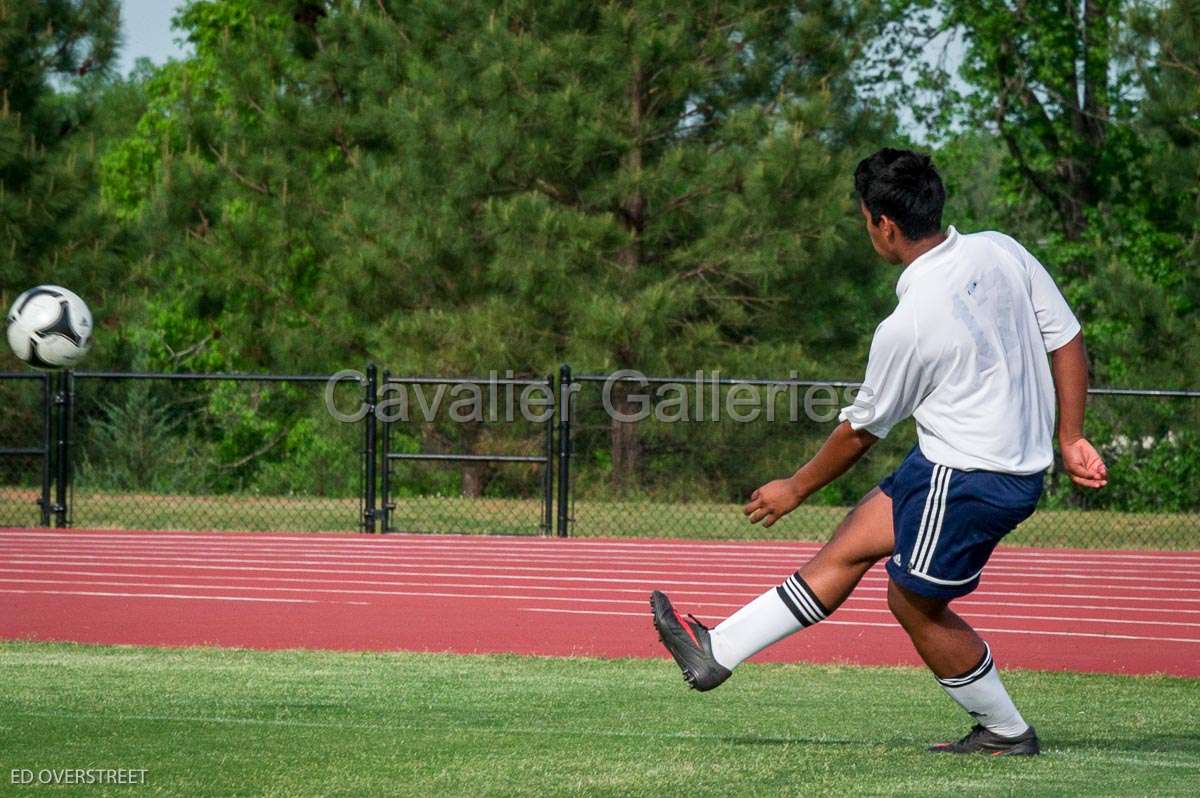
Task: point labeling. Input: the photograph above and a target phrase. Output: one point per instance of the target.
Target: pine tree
(455, 186)
(1171, 77)
(54, 59)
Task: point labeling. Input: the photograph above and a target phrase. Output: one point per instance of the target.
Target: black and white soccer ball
(50, 327)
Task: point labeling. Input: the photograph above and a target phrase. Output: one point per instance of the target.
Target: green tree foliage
(1072, 126)
(54, 86)
(54, 57)
(1055, 81)
(453, 187)
(1067, 91)
(1170, 74)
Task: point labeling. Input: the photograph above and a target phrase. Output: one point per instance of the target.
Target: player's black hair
(904, 186)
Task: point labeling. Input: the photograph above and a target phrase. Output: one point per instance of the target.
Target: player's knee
(910, 609)
(896, 602)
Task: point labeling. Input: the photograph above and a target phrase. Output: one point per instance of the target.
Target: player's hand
(1083, 464)
(772, 501)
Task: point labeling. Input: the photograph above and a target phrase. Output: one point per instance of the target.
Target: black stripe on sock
(981, 669)
(813, 596)
(791, 605)
(800, 596)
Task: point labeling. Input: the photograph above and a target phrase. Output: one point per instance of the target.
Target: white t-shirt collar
(921, 263)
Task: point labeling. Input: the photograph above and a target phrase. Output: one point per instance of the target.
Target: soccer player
(965, 354)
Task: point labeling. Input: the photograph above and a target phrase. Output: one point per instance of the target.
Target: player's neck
(915, 249)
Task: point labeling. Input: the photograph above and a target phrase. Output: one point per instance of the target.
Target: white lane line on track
(544, 546)
(664, 582)
(874, 575)
(836, 622)
(869, 582)
(745, 594)
(619, 600)
(1029, 571)
(176, 596)
(59, 549)
(514, 543)
(499, 540)
(575, 546)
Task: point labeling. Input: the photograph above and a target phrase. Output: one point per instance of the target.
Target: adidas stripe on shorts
(947, 522)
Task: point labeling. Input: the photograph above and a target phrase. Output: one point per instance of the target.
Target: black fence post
(370, 455)
(548, 470)
(62, 400)
(47, 446)
(385, 476)
(564, 450)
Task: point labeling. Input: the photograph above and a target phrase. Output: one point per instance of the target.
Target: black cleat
(688, 643)
(981, 741)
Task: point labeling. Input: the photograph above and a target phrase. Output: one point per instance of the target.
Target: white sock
(981, 693)
(768, 619)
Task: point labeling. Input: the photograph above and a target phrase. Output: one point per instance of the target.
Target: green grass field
(231, 722)
(642, 518)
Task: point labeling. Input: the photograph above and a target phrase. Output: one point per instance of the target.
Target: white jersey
(964, 353)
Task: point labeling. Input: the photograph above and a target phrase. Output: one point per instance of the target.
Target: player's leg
(944, 640)
(708, 656)
(946, 532)
(807, 597)
(962, 664)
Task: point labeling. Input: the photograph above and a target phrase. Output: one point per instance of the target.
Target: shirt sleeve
(895, 382)
(1054, 317)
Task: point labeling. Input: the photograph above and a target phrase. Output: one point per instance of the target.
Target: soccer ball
(50, 327)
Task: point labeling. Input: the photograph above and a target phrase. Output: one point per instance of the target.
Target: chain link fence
(694, 449)
(678, 458)
(235, 452)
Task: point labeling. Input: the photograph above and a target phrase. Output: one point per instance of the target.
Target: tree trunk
(626, 450)
(472, 480)
(624, 440)
(633, 208)
(474, 474)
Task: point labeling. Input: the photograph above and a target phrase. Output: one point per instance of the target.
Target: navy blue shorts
(948, 521)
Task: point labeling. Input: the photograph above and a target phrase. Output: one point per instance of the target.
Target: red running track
(1059, 609)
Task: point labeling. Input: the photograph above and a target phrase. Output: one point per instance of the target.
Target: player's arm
(1082, 462)
(842, 449)
(893, 386)
(1063, 338)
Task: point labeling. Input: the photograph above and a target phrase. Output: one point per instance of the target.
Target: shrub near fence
(263, 452)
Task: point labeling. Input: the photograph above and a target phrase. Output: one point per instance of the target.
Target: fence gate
(467, 455)
(27, 444)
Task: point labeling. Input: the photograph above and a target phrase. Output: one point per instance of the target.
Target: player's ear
(887, 227)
